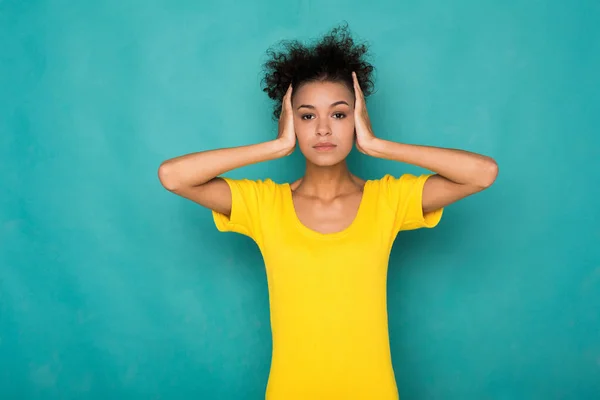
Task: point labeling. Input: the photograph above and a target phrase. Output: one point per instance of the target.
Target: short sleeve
(405, 196)
(247, 201)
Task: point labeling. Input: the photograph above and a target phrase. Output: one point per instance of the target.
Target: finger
(288, 97)
(286, 103)
(357, 89)
(356, 84)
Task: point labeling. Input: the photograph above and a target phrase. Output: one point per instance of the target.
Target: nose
(323, 129)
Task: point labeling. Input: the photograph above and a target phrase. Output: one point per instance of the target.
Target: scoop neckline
(333, 235)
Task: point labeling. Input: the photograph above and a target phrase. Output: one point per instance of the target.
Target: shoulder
(399, 183)
(253, 187)
(251, 183)
(398, 188)
(397, 180)
(404, 196)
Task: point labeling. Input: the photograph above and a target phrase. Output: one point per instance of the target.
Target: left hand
(362, 123)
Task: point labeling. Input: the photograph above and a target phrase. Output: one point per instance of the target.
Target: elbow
(167, 177)
(488, 173)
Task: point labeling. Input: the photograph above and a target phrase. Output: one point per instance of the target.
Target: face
(324, 121)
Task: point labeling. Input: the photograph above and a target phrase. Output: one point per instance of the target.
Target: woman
(326, 238)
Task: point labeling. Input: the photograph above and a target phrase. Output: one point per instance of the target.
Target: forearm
(459, 166)
(197, 168)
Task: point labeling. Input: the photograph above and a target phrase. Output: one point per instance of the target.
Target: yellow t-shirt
(327, 292)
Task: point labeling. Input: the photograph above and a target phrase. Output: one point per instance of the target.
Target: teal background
(112, 287)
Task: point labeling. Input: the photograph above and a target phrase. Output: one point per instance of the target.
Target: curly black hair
(332, 58)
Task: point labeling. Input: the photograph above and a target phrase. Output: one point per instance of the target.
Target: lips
(324, 146)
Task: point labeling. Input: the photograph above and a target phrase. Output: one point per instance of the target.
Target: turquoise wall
(113, 288)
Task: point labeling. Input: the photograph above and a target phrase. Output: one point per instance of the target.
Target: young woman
(326, 238)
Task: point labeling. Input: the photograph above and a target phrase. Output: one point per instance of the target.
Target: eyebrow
(332, 105)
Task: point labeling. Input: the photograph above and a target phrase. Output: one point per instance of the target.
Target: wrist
(374, 147)
(282, 148)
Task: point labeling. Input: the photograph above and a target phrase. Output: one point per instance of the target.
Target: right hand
(287, 135)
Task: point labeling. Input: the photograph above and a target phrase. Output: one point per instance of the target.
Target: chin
(321, 163)
(329, 160)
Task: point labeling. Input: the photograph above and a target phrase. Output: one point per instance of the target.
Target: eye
(339, 115)
(306, 116)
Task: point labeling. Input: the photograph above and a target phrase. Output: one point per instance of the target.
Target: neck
(327, 182)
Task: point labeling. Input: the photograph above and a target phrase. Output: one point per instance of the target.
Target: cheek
(345, 131)
(303, 132)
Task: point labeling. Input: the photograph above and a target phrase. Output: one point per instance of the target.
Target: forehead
(322, 93)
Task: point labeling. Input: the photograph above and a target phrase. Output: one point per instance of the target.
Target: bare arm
(459, 173)
(195, 176)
